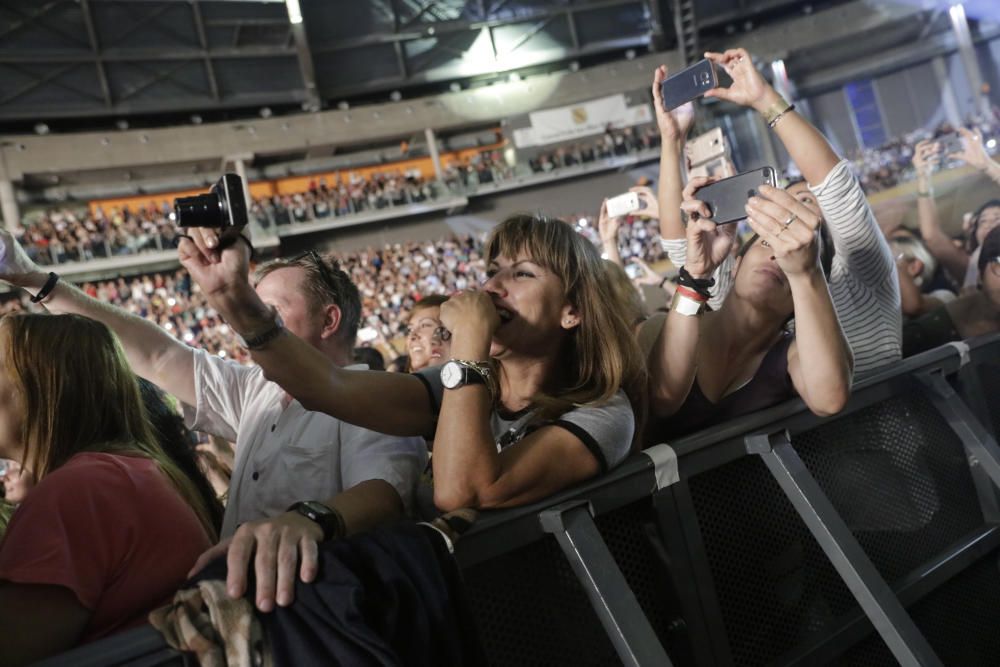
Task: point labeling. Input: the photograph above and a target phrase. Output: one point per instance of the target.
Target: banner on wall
(580, 120)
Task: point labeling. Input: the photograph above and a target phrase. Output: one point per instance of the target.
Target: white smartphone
(623, 205)
(633, 270)
(367, 334)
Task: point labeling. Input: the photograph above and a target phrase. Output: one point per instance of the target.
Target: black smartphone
(950, 143)
(727, 199)
(688, 84)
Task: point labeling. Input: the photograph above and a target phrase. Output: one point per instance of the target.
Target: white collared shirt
(287, 454)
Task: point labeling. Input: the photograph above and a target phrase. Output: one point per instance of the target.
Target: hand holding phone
(623, 204)
(726, 199)
(749, 88)
(950, 144)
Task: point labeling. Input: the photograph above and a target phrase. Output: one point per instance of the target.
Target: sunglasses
(324, 269)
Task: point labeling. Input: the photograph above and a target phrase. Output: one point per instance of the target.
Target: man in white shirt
(284, 452)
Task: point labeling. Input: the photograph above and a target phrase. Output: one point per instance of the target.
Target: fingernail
(753, 201)
(210, 242)
(265, 605)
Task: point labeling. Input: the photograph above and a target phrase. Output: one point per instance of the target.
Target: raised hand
(16, 267)
(650, 205)
(973, 151)
(675, 124)
(788, 227)
(216, 271)
(708, 245)
(748, 87)
(607, 226)
(926, 155)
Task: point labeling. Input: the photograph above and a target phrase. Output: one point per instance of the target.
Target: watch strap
(259, 340)
(327, 518)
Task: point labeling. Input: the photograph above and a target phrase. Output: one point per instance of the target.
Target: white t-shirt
(288, 454)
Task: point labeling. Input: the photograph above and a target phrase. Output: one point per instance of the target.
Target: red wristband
(690, 293)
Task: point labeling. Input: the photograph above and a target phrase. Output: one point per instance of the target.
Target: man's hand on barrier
(277, 546)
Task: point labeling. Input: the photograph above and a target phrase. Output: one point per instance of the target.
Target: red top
(112, 529)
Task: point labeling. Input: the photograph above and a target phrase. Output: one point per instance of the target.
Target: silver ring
(790, 220)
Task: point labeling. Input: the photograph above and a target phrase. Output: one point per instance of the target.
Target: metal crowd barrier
(868, 538)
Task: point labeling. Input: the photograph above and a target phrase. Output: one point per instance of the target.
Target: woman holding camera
(863, 275)
(112, 525)
(535, 397)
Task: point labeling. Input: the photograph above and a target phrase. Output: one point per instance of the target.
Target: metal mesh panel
(774, 584)
(899, 477)
(989, 378)
(959, 620)
(531, 609)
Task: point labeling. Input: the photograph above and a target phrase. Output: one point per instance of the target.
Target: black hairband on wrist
(699, 285)
(47, 288)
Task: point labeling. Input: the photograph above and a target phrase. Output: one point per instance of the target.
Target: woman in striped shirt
(863, 281)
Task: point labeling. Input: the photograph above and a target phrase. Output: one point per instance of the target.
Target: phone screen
(727, 198)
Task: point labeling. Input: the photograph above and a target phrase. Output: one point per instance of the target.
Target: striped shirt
(863, 283)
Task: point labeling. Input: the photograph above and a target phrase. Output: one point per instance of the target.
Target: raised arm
(954, 259)
(673, 361)
(153, 353)
(674, 126)
(807, 147)
(974, 154)
(468, 469)
(390, 403)
(820, 361)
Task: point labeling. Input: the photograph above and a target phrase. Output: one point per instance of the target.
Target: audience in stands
(974, 314)
(538, 396)
(863, 275)
(368, 477)
(112, 525)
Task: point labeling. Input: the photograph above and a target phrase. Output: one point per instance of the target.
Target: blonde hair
(78, 394)
(601, 354)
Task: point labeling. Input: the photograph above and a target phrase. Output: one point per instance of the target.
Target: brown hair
(78, 394)
(601, 355)
(325, 283)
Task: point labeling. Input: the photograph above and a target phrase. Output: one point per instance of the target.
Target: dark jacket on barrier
(389, 597)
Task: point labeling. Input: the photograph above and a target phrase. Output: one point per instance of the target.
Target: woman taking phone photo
(863, 281)
(534, 398)
(741, 358)
(111, 526)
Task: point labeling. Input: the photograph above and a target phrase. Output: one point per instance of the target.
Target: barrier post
(616, 606)
(879, 603)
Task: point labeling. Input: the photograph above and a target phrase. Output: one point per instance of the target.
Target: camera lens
(200, 211)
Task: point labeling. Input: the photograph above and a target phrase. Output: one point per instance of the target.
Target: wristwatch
(458, 373)
(328, 519)
(259, 340)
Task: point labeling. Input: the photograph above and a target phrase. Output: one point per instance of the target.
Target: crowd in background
(886, 166)
(69, 234)
(390, 279)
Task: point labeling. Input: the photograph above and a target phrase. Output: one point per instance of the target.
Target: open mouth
(506, 315)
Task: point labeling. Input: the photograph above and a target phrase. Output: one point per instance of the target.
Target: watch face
(451, 375)
(318, 508)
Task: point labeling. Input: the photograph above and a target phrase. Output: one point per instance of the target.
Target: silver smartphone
(727, 199)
